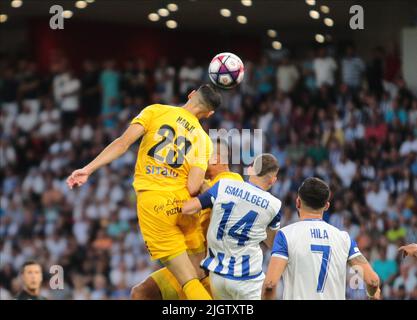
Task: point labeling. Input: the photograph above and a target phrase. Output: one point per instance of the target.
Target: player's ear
(327, 206)
(191, 94)
(251, 171)
(298, 203)
(209, 114)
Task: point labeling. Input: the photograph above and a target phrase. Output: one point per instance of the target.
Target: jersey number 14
(240, 229)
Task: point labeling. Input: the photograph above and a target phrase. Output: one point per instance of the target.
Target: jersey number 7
(324, 268)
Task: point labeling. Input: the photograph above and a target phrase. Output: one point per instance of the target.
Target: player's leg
(218, 287)
(161, 284)
(146, 290)
(203, 275)
(245, 289)
(165, 240)
(183, 270)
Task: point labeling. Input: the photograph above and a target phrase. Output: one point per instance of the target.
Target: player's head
(206, 99)
(313, 196)
(31, 274)
(219, 161)
(264, 170)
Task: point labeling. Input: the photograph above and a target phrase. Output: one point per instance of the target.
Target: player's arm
(195, 180)
(203, 201)
(368, 274)
(272, 230)
(276, 268)
(192, 206)
(270, 236)
(113, 151)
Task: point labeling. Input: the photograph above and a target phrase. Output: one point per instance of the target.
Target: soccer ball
(226, 70)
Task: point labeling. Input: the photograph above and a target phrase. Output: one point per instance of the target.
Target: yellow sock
(206, 284)
(194, 290)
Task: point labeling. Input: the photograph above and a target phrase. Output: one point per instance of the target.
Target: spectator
(386, 269)
(263, 77)
(345, 169)
(377, 198)
(324, 69)
(90, 93)
(287, 76)
(110, 88)
(66, 88)
(190, 76)
(352, 69)
(164, 78)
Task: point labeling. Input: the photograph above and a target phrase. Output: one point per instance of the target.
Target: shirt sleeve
(207, 198)
(144, 118)
(280, 247)
(353, 250)
(275, 222)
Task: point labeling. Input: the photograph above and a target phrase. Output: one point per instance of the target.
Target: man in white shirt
(324, 68)
(190, 76)
(377, 198)
(345, 169)
(408, 146)
(66, 89)
(312, 255)
(287, 76)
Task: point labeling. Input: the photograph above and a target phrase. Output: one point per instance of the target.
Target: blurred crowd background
(326, 113)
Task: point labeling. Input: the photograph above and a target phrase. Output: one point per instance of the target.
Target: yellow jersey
(172, 144)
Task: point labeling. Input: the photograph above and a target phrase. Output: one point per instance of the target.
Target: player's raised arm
(113, 151)
(369, 275)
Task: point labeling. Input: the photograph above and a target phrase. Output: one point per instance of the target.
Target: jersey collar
(252, 184)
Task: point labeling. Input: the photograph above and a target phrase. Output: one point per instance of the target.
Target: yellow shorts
(168, 285)
(165, 230)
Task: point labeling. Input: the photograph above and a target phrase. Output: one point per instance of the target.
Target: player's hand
(409, 250)
(377, 295)
(78, 178)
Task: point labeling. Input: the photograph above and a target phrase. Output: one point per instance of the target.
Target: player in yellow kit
(172, 161)
(161, 284)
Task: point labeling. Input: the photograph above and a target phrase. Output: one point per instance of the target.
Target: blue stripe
(245, 266)
(208, 260)
(280, 244)
(219, 267)
(239, 278)
(232, 262)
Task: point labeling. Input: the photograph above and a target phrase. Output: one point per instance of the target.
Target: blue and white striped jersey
(241, 214)
(317, 255)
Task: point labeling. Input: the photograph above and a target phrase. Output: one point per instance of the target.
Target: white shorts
(228, 289)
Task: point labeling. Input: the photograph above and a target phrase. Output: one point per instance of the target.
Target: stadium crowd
(349, 121)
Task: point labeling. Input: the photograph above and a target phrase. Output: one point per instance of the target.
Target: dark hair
(28, 263)
(264, 164)
(314, 193)
(211, 97)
